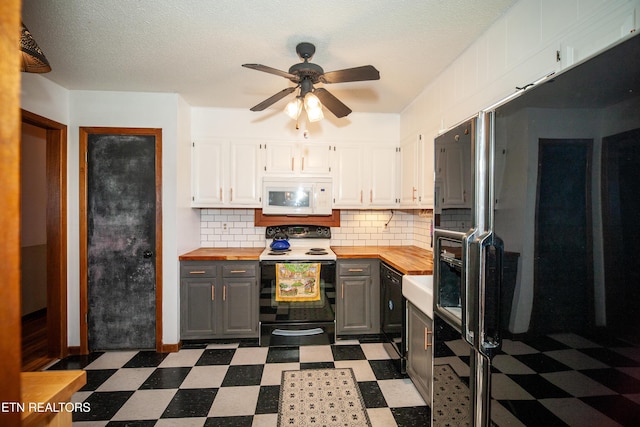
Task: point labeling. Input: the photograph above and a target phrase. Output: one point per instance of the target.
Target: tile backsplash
(236, 228)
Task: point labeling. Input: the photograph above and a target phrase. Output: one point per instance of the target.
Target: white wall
(518, 49)
(275, 125)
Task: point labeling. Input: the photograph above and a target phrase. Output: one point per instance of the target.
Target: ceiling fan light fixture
(313, 106)
(311, 102)
(294, 108)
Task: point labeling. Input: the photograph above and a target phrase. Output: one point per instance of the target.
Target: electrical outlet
(225, 229)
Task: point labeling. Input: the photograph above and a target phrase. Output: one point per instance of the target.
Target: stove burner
(317, 252)
(277, 253)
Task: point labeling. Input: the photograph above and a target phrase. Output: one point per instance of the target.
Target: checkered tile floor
(231, 384)
(559, 380)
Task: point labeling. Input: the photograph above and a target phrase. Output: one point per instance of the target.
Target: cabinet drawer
(188, 269)
(239, 270)
(354, 269)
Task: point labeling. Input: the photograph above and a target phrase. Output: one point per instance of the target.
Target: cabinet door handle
(220, 193)
(213, 292)
(224, 293)
(197, 272)
(355, 270)
(292, 164)
(413, 194)
(238, 271)
(427, 344)
(231, 195)
(303, 163)
(360, 196)
(370, 196)
(342, 291)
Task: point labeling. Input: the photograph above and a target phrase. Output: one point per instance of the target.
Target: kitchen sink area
(419, 291)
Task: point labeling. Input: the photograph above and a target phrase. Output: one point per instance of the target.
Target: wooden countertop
(406, 259)
(222, 254)
(43, 387)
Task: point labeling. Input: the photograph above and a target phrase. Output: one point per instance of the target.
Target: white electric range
(307, 243)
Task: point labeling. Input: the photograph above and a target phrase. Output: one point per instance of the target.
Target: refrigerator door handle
(466, 285)
(490, 289)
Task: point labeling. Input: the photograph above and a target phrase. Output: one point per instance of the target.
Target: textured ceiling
(196, 47)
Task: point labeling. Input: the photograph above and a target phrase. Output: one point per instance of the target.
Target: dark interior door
(121, 241)
(563, 282)
(621, 220)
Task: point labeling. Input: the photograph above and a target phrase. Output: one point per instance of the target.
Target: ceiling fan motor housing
(305, 50)
(306, 69)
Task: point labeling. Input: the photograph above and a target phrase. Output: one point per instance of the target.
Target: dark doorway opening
(45, 333)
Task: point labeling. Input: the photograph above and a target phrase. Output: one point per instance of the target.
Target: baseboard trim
(170, 348)
(164, 348)
(74, 351)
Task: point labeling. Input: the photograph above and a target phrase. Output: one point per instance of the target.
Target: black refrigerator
(537, 225)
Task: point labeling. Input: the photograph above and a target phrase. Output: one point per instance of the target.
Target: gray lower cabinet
(358, 297)
(420, 350)
(218, 299)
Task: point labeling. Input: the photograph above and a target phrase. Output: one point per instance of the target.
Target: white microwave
(296, 196)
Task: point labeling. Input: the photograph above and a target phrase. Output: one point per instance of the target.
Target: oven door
(285, 321)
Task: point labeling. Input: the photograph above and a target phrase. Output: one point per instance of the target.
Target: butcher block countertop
(406, 259)
(222, 254)
(45, 394)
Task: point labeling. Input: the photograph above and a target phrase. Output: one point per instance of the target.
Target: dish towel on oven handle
(298, 281)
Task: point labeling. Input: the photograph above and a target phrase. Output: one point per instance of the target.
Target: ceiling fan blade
(272, 100)
(357, 74)
(332, 103)
(270, 70)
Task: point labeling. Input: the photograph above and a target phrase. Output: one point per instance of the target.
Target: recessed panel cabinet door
(207, 162)
(244, 186)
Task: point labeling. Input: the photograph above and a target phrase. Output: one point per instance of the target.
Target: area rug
(321, 397)
(452, 396)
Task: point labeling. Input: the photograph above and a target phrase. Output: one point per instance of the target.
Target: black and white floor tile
(231, 384)
(560, 380)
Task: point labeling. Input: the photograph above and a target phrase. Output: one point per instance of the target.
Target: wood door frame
(84, 304)
(10, 213)
(56, 230)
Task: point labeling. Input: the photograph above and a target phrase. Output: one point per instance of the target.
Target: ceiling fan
(306, 74)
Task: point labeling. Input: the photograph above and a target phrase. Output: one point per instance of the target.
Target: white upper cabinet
(365, 176)
(417, 176)
(225, 174)
(409, 165)
(291, 158)
(207, 173)
(244, 178)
